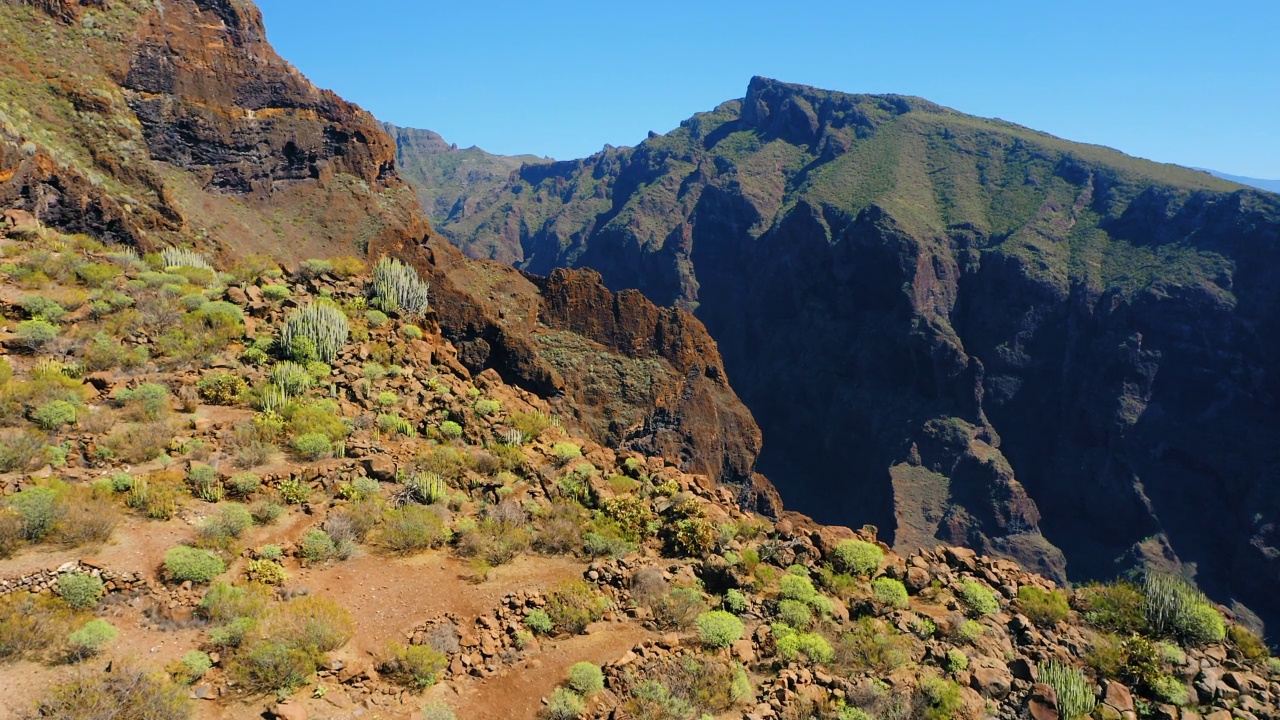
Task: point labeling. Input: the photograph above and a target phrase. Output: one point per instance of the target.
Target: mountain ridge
(1259, 183)
(803, 218)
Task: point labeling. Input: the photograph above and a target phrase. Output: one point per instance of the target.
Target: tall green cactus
(1075, 694)
(397, 288)
(319, 326)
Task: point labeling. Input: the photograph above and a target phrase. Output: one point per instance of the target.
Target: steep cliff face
(175, 122)
(631, 374)
(956, 328)
(157, 122)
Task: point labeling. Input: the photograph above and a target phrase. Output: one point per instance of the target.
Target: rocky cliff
(154, 122)
(956, 328)
(180, 125)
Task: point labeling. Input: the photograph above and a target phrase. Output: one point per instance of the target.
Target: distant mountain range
(1268, 185)
(951, 327)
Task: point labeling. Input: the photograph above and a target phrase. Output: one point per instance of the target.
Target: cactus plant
(427, 489)
(397, 288)
(1075, 694)
(292, 379)
(319, 327)
(182, 257)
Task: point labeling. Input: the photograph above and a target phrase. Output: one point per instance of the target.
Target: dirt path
(388, 597)
(516, 692)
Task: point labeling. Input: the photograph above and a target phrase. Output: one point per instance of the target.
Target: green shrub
(585, 678)
(412, 528)
(797, 587)
(244, 484)
(90, 638)
(317, 546)
(35, 334)
(149, 400)
(565, 452)
(795, 613)
(97, 274)
(265, 512)
(574, 604)
(956, 660)
(1045, 607)
(970, 631)
(1118, 607)
(318, 329)
(849, 712)
(485, 408)
(1250, 646)
(1174, 607)
(204, 482)
(872, 644)
(272, 667)
(858, 557)
(890, 592)
(191, 667)
(312, 622)
(676, 609)
(719, 628)
(224, 602)
(234, 519)
(412, 332)
(540, 622)
(121, 482)
(376, 318)
(392, 423)
(313, 446)
(125, 692)
(1170, 690)
(940, 699)
(40, 510)
(42, 308)
(413, 666)
(80, 590)
(978, 598)
(1074, 691)
(221, 388)
(188, 563)
(564, 704)
(221, 316)
(267, 572)
(734, 601)
(791, 644)
(276, 292)
(54, 414)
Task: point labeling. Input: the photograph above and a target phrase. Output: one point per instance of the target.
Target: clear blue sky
(1191, 82)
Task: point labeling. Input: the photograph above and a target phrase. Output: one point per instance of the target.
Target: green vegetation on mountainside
(442, 174)
(932, 169)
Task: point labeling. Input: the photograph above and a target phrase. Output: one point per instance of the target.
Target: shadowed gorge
(953, 327)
